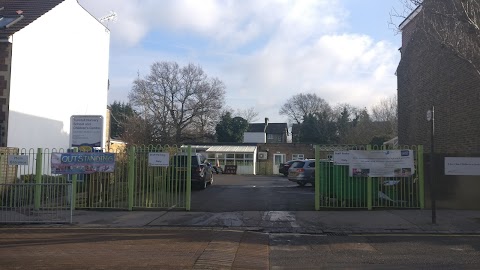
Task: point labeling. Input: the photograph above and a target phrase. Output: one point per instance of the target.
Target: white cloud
(264, 51)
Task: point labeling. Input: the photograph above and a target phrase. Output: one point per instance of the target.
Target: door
(277, 160)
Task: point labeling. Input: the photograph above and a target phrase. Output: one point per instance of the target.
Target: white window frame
(298, 156)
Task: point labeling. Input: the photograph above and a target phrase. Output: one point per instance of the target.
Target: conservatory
(244, 157)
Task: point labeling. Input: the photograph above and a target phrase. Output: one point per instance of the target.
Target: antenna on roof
(110, 17)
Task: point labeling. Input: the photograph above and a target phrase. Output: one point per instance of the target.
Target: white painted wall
(59, 69)
(254, 137)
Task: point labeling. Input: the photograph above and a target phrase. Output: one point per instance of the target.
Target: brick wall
(429, 74)
(265, 166)
(288, 149)
(5, 66)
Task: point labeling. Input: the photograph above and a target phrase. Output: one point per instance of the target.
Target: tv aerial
(112, 16)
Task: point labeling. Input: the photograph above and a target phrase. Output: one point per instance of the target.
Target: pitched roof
(21, 13)
(272, 128)
(260, 127)
(277, 128)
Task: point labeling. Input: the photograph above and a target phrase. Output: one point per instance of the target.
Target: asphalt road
(253, 193)
(69, 248)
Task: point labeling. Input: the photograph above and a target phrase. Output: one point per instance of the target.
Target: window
(298, 157)
(270, 136)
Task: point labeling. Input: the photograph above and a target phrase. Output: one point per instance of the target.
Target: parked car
(283, 169)
(302, 172)
(202, 171)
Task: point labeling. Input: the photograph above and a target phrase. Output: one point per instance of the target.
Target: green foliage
(344, 125)
(119, 114)
(379, 140)
(231, 129)
(318, 128)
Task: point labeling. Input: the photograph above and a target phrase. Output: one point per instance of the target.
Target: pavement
(313, 222)
(245, 240)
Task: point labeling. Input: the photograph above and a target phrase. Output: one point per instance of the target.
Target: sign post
(86, 132)
(431, 119)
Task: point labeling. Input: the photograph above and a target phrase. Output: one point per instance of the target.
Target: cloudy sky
(264, 51)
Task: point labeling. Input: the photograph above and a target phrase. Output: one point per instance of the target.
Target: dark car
(283, 169)
(302, 172)
(202, 171)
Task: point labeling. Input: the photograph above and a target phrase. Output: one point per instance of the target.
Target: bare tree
(138, 130)
(454, 24)
(250, 114)
(386, 111)
(180, 100)
(301, 105)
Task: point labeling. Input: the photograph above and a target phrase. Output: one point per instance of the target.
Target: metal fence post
(131, 176)
(369, 187)
(317, 177)
(421, 179)
(74, 187)
(189, 178)
(38, 178)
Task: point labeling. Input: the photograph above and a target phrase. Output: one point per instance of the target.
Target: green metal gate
(334, 188)
(160, 187)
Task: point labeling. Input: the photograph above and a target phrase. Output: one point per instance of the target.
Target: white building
(56, 57)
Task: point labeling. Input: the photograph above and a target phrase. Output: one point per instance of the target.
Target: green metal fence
(35, 203)
(160, 187)
(334, 188)
(133, 184)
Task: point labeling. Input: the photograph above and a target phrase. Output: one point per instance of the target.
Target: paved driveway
(253, 193)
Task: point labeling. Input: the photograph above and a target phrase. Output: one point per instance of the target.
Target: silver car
(302, 172)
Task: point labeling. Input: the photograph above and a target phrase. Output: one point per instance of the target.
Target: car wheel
(204, 185)
(301, 183)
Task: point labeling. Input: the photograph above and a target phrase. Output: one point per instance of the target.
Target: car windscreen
(181, 161)
(298, 164)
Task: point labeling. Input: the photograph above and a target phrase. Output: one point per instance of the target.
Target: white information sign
(158, 159)
(86, 131)
(381, 163)
(17, 160)
(341, 158)
(462, 166)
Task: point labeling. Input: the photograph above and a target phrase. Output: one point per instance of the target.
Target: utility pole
(431, 119)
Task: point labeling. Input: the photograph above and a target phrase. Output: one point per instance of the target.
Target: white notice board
(156, 159)
(462, 166)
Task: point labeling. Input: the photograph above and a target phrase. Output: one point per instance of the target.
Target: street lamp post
(431, 119)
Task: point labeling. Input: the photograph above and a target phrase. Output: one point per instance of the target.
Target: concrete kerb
(305, 222)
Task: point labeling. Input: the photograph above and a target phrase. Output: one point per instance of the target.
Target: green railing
(334, 188)
(160, 187)
(133, 184)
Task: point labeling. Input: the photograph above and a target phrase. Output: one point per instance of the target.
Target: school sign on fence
(86, 132)
(81, 163)
(378, 163)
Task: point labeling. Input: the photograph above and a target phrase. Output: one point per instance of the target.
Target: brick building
(430, 74)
